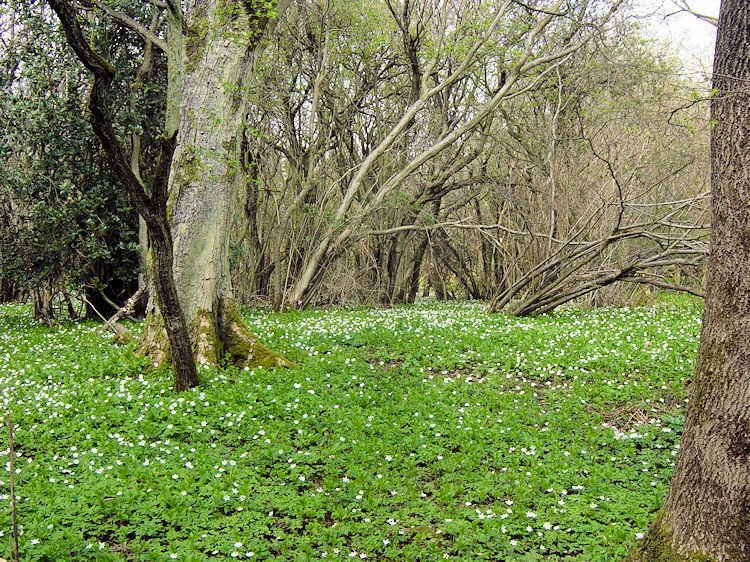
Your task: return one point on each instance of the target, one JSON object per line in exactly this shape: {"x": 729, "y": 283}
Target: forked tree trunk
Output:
{"x": 203, "y": 184}
{"x": 707, "y": 512}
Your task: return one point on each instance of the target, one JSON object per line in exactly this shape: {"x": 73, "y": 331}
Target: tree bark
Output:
{"x": 707, "y": 511}
{"x": 151, "y": 206}
{"x": 220, "y": 47}
{"x": 8, "y": 291}
{"x": 42, "y": 301}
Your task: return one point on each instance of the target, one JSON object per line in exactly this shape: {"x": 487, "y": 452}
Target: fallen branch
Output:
{"x": 118, "y": 330}
{"x": 127, "y": 309}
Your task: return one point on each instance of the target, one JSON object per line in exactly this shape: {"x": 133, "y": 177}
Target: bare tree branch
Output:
{"x": 130, "y": 23}
{"x": 684, "y": 7}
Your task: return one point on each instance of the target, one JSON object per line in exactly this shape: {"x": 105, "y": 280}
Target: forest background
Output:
{"x": 590, "y": 171}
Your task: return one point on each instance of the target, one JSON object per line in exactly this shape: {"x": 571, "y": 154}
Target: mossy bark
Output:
{"x": 707, "y": 510}
{"x": 659, "y": 545}
{"x": 205, "y": 177}
{"x": 240, "y": 346}
{"x": 219, "y": 336}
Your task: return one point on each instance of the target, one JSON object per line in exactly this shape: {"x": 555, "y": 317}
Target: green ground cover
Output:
{"x": 426, "y": 432}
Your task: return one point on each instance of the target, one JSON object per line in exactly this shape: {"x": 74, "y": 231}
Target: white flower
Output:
{"x": 531, "y": 515}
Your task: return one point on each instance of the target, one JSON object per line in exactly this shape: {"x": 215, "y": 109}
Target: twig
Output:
{"x": 14, "y": 547}
{"x": 684, "y": 7}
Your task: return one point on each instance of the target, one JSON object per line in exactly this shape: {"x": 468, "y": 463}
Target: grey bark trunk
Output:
{"x": 707, "y": 511}
{"x": 203, "y": 183}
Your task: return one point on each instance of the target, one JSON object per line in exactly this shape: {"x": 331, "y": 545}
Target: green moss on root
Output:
{"x": 123, "y": 338}
{"x": 658, "y": 545}
{"x": 243, "y": 347}
{"x": 213, "y": 341}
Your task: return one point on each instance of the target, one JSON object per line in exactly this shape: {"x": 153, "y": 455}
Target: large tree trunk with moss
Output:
{"x": 204, "y": 179}
{"x": 151, "y": 203}
{"x": 707, "y": 512}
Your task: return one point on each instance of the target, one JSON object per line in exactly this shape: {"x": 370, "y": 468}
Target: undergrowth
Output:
{"x": 425, "y": 432}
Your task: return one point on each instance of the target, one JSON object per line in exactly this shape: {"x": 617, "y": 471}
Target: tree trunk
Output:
{"x": 416, "y": 268}
{"x": 707, "y": 511}
{"x": 42, "y": 300}
{"x": 203, "y": 184}
{"x": 151, "y": 206}
{"x": 8, "y": 291}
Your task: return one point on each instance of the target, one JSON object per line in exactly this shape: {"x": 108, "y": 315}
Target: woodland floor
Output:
{"x": 425, "y": 432}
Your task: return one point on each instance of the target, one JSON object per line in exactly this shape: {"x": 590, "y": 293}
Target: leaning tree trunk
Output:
{"x": 707, "y": 512}
{"x": 204, "y": 180}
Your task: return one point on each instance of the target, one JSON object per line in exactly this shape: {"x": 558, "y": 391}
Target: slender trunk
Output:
{"x": 409, "y": 285}
{"x": 140, "y": 308}
{"x": 416, "y": 268}
{"x": 707, "y": 511}
{"x": 184, "y": 367}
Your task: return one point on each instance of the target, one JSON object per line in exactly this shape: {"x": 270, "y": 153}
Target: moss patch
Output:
{"x": 658, "y": 545}
{"x": 242, "y": 347}
{"x": 195, "y": 43}
{"x": 207, "y": 346}
{"x": 154, "y": 344}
